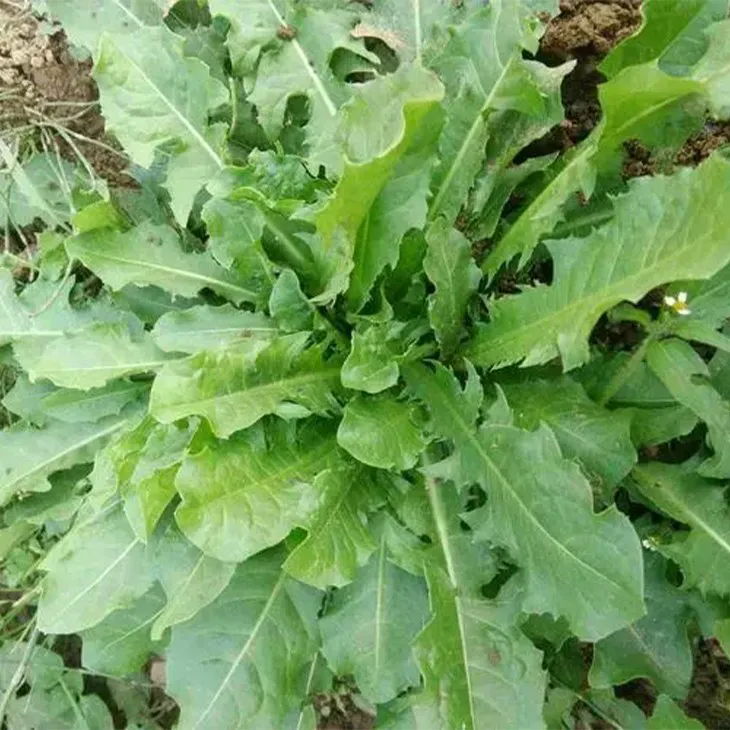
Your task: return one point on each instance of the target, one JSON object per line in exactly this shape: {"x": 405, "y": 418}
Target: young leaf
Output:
{"x": 370, "y": 624}
{"x": 191, "y": 580}
{"x": 669, "y": 716}
{"x": 371, "y": 365}
{"x": 288, "y": 305}
{"x": 382, "y": 431}
{"x": 656, "y": 646}
{"x": 699, "y": 503}
{"x": 685, "y": 375}
{"x": 361, "y": 226}
{"x": 451, "y": 269}
{"x": 338, "y": 540}
{"x": 30, "y": 455}
{"x": 120, "y": 645}
{"x": 598, "y": 438}
{"x": 151, "y": 254}
{"x": 540, "y": 507}
{"x": 210, "y": 328}
{"x": 98, "y": 567}
{"x": 153, "y": 96}
{"x": 240, "y": 497}
{"x": 650, "y": 241}
{"x": 234, "y": 388}
{"x": 235, "y": 229}
{"x": 480, "y": 671}
{"x": 251, "y": 670}
{"x": 144, "y": 461}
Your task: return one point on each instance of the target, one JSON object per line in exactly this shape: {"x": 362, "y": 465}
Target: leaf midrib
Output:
{"x": 260, "y": 621}
{"x": 474, "y": 442}
{"x": 274, "y": 385}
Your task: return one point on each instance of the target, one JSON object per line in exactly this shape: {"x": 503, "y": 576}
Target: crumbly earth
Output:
{"x": 42, "y": 81}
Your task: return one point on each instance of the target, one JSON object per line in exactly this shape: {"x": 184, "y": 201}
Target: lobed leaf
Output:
{"x": 240, "y": 497}
{"x": 283, "y": 377}
{"x": 659, "y": 233}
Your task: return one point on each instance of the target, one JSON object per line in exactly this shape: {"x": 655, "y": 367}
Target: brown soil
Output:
{"x": 709, "y": 696}
{"x": 339, "y": 712}
{"x": 590, "y": 27}
{"x": 41, "y": 83}
{"x": 585, "y": 30}
{"x": 700, "y": 146}
{"x": 639, "y": 160}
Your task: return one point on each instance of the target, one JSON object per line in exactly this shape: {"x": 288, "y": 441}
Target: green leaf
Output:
{"x": 120, "y": 645}
{"x": 370, "y": 624}
{"x": 685, "y": 375}
{"x": 151, "y": 254}
{"x": 251, "y": 671}
{"x": 235, "y": 230}
{"x": 361, "y": 225}
{"x": 656, "y": 646}
{"x": 153, "y": 96}
{"x": 412, "y": 30}
{"x": 90, "y": 358}
{"x": 700, "y": 504}
{"x": 98, "y": 567}
{"x": 29, "y": 455}
{"x": 40, "y": 401}
{"x": 713, "y": 70}
{"x": 42, "y": 187}
{"x": 489, "y": 85}
{"x": 235, "y": 388}
{"x": 144, "y": 461}
{"x": 662, "y": 116}
{"x": 371, "y": 365}
{"x": 451, "y": 269}
{"x": 669, "y": 716}
{"x": 191, "y": 580}
{"x": 650, "y": 241}
{"x": 210, "y": 328}
{"x": 29, "y": 319}
{"x": 115, "y": 17}
{"x": 480, "y": 671}
{"x": 382, "y": 431}
{"x": 597, "y": 437}
{"x": 540, "y": 507}
{"x": 338, "y": 538}
{"x": 672, "y": 34}
{"x": 288, "y": 305}
{"x": 240, "y": 497}
{"x": 299, "y": 66}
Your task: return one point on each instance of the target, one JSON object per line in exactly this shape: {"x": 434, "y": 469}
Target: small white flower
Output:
{"x": 678, "y": 303}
